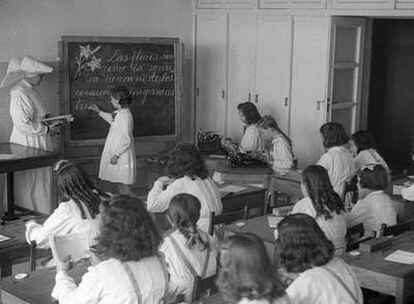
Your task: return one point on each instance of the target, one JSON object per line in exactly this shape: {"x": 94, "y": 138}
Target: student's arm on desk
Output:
{"x": 357, "y": 215}
{"x": 57, "y": 223}
{"x": 67, "y": 292}
{"x": 159, "y": 199}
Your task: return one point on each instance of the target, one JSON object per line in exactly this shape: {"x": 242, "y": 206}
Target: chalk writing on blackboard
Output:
{"x": 148, "y": 69}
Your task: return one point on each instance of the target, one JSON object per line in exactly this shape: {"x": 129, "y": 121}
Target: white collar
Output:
{"x": 375, "y": 192}
{"x": 26, "y": 83}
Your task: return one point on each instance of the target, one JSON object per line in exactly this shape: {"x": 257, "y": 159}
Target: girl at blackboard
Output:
{"x": 118, "y": 156}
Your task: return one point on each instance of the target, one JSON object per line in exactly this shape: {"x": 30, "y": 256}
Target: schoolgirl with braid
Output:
{"x": 189, "y": 251}
{"x": 78, "y": 210}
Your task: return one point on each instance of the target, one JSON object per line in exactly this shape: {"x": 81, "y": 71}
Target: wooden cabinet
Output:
{"x": 292, "y": 4}
{"x": 404, "y": 4}
{"x": 241, "y": 57}
{"x": 363, "y": 4}
{"x": 308, "y": 86}
{"x": 226, "y": 3}
{"x": 211, "y": 67}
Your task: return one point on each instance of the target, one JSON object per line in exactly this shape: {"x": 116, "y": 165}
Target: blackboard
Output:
{"x": 148, "y": 67}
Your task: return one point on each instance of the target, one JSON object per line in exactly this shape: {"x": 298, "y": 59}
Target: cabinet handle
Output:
{"x": 286, "y": 101}
{"x": 318, "y": 104}
{"x": 223, "y": 94}
{"x": 256, "y": 98}
{"x": 250, "y": 97}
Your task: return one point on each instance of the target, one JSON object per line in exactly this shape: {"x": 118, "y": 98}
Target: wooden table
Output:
{"x": 383, "y": 276}
{"x": 37, "y": 287}
{"x": 24, "y": 158}
{"x": 16, "y": 250}
{"x": 404, "y": 208}
{"x": 260, "y": 227}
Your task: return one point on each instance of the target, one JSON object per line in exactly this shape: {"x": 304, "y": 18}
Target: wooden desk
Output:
{"x": 24, "y": 158}
{"x": 258, "y": 226}
{"x": 253, "y": 197}
{"x": 405, "y": 208}
{"x": 16, "y": 250}
{"x": 387, "y": 277}
{"x": 37, "y": 287}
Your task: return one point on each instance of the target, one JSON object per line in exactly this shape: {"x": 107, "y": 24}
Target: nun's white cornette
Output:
{"x": 32, "y": 187}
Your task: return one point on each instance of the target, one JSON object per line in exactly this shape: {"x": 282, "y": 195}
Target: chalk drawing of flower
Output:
{"x": 87, "y": 59}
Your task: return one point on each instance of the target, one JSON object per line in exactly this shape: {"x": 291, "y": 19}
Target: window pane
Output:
{"x": 345, "y": 44}
{"x": 343, "y": 86}
{"x": 344, "y": 117}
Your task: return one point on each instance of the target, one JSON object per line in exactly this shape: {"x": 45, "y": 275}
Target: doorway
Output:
{"x": 390, "y": 116}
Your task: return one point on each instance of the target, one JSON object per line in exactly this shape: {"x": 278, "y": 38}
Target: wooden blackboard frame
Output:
{"x": 66, "y": 141}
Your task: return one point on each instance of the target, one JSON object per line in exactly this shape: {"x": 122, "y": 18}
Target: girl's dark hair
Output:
{"x": 247, "y": 271}
{"x": 249, "y": 111}
{"x": 363, "y": 140}
{"x": 184, "y": 212}
{"x": 74, "y": 183}
{"x": 186, "y": 160}
{"x": 374, "y": 177}
{"x": 128, "y": 232}
{"x": 301, "y": 244}
{"x": 121, "y": 93}
{"x": 333, "y": 134}
{"x": 267, "y": 122}
{"x": 319, "y": 188}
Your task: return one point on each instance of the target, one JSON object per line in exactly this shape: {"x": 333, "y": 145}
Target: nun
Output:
{"x": 32, "y": 189}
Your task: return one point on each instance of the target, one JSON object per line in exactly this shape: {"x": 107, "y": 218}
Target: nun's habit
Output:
{"x": 32, "y": 187}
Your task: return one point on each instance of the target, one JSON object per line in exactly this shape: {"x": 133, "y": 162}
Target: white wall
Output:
{"x": 35, "y": 27}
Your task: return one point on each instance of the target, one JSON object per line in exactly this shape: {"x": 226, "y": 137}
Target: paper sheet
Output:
{"x": 3, "y": 238}
{"x": 232, "y": 188}
{"x": 401, "y": 256}
{"x": 4, "y": 156}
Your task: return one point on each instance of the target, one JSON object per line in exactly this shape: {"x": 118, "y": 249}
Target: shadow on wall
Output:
{"x": 49, "y": 90}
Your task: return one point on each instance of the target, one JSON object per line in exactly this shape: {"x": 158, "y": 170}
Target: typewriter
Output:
{"x": 240, "y": 159}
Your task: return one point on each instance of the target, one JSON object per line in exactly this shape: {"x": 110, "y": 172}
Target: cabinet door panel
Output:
{"x": 226, "y": 3}
{"x": 273, "y": 61}
{"x": 211, "y": 71}
{"x": 309, "y": 77}
{"x": 363, "y": 4}
{"x": 242, "y": 29}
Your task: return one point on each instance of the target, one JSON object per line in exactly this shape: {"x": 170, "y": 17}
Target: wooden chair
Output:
{"x": 396, "y": 229}
{"x": 204, "y": 287}
{"x": 227, "y": 218}
{"x": 33, "y": 256}
{"x": 355, "y": 236}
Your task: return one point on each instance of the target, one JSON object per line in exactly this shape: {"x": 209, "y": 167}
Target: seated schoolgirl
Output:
{"x": 362, "y": 147}
{"x": 189, "y": 251}
{"x": 247, "y": 275}
{"x": 251, "y": 139}
{"x": 323, "y": 204}
{"x": 78, "y": 210}
{"x": 374, "y": 207}
{"x": 277, "y": 144}
{"x": 187, "y": 173}
{"x": 130, "y": 271}
{"x": 302, "y": 248}
{"x": 337, "y": 159}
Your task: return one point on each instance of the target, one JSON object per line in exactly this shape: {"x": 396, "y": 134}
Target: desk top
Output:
{"x": 259, "y": 226}
{"x": 376, "y": 262}
{"x": 23, "y": 157}
{"x": 37, "y": 287}
{"x": 17, "y": 246}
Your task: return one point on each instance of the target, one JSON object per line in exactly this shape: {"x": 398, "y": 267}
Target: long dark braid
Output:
{"x": 184, "y": 212}
{"x": 74, "y": 183}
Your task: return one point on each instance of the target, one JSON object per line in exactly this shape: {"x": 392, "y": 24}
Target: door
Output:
{"x": 347, "y": 52}
{"x": 273, "y": 66}
{"x": 309, "y": 79}
{"x": 210, "y": 52}
{"x": 242, "y": 39}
